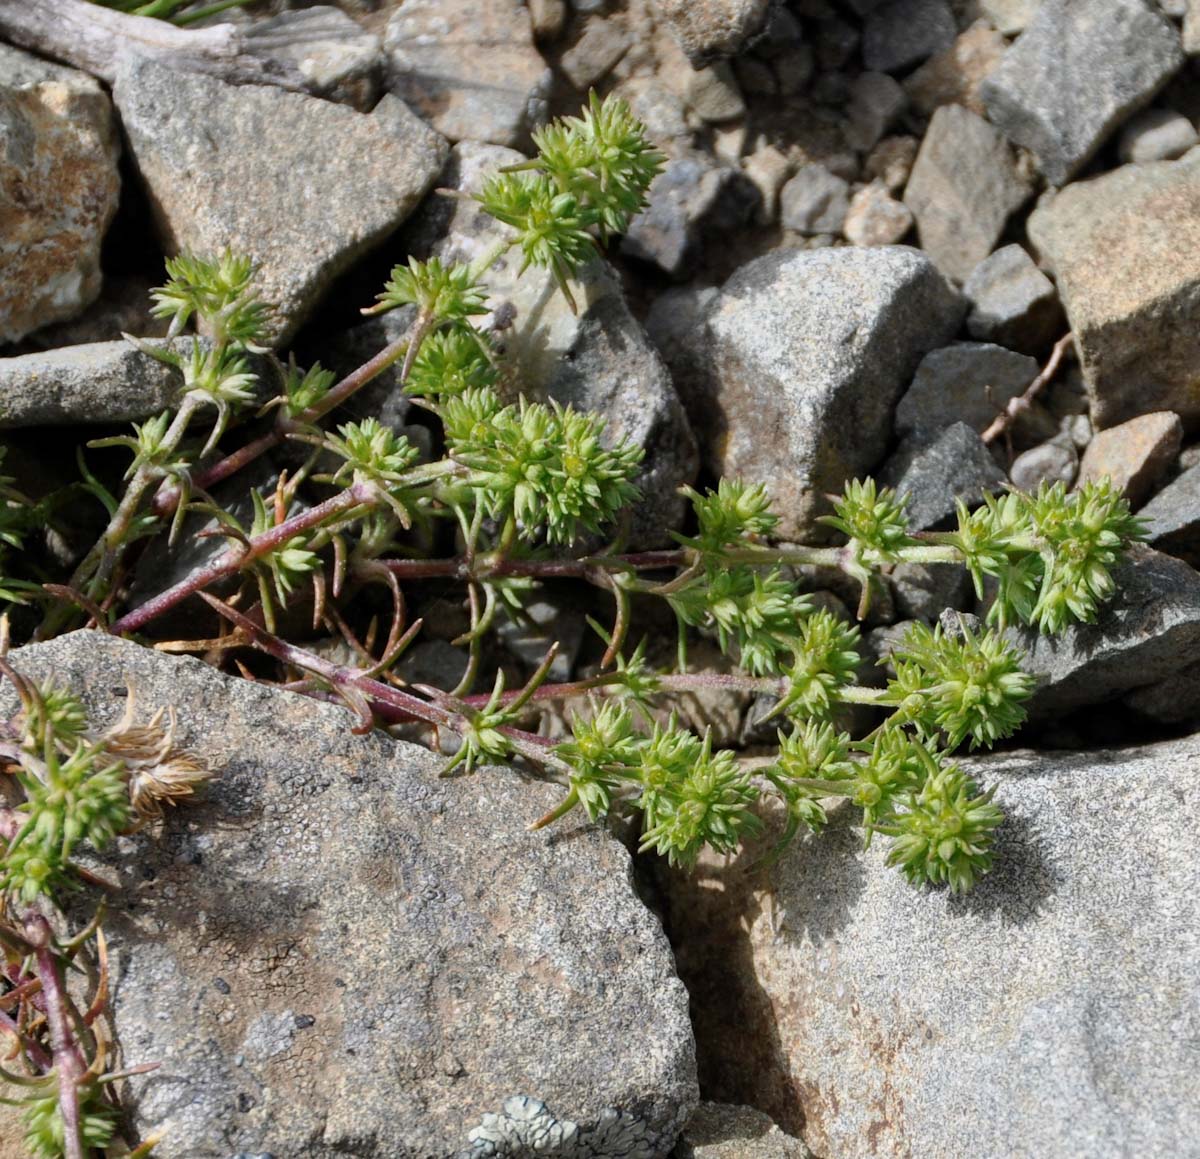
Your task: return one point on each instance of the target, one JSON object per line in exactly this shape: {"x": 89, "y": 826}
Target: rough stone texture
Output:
{"x": 720, "y": 1131}
{"x": 689, "y": 198}
{"x": 814, "y": 201}
{"x": 902, "y": 33}
{"x": 768, "y": 168}
{"x": 340, "y": 953}
{"x": 58, "y": 190}
{"x": 953, "y": 77}
{"x": 672, "y": 318}
{"x": 1012, "y": 302}
{"x": 963, "y": 187}
{"x": 339, "y": 59}
{"x": 1173, "y": 517}
{"x": 1156, "y": 135}
{"x": 599, "y": 359}
{"x": 875, "y": 217}
{"x": 223, "y": 168}
{"x": 1135, "y": 455}
{"x": 1149, "y": 631}
{"x": 799, "y": 362}
{"x": 1191, "y": 29}
{"x": 924, "y": 590}
{"x": 1051, "y": 1012}
{"x": 713, "y": 93}
{"x": 891, "y": 161}
{"x": 1133, "y": 314}
{"x": 594, "y": 54}
{"x": 876, "y": 100}
{"x": 1077, "y": 71}
{"x": 98, "y": 382}
{"x": 710, "y": 29}
{"x": 969, "y": 382}
{"x": 1173, "y": 702}
{"x": 1009, "y": 16}
{"x": 1055, "y": 461}
{"x": 934, "y": 471}
{"x": 469, "y": 67}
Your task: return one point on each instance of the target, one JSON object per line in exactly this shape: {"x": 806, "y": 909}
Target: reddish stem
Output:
{"x": 587, "y": 568}
{"x": 239, "y": 555}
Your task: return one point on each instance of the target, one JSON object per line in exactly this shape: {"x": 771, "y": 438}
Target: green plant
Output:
{"x": 171, "y": 9}
{"x": 361, "y": 512}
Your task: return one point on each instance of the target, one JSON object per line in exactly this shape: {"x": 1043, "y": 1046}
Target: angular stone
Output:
{"x": 720, "y": 1131}
{"x": 598, "y": 359}
{"x": 710, "y": 29}
{"x": 340, "y": 953}
{"x": 963, "y": 187}
{"x": 223, "y": 169}
{"x": 1146, "y": 633}
{"x": 1012, "y": 302}
{"x": 969, "y": 382}
{"x": 98, "y": 382}
{"x": 714, "y": 95}
{"x": 1055, "y": 461}
{"x": 876, "y": 100}
{"x": 1077, "y": 71}
{"x": 1173, "y": 517}
{"x": 1156, "y": 135}
{"x": 814, "y": 201}
{"x": 1135, "y": 455}
{"x": 1173, "y": 702}
{"x": 768, "y": 168}
{"x": 798, "y": 363}
{"x": 339, "y": 59}
{"x": 936, "y": 471}
{"x": 690, "y": 197}
{"x": 1133, "y": 314}
{"x": 953, "y": 77}
{"x": 1009, "y": 16}
{"x": 1191, "y": 29}
{"x": 902, "y": 33}
{"x": 58, "y": 191}
{"x": 594, "y": 54}
{"x": 891, "y": 161}
{"x": 875, "y": 217}
{"x": 469, "y": 67}
{"x": 1047, "y": 1013}
{"x": 924, "y": 590}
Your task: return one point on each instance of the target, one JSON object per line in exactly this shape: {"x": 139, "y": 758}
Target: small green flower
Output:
{"x": 601, "y": 754}
{"x": 372, "y": 452}
{"x": 944, "y": 831}
{"x": 824, "y": 660}
{"x": 966, "y": 685}
{"x": 56, "y": 716}
{"x": 219, "y": 291}
{"x": 45, "y": 1131}
{"x": 736, "y": 511}
{"x": 451, "y": 362}
{"x": 304, "y": 389}
{"x": 872, "y": 519}
{"x": 814, "y": 751}
{"x": 285, "y": 565}
{"x": 445, "y": 293}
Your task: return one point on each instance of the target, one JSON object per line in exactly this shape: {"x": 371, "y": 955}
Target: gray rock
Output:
{"x": 954, "y": 76}
{"x": 99, "y": 382}
{"x": 755, "y": 76}
{"x": 835, "y": 41}
{"x": 710, "y": 29}
{"x": 1012, "y": 302}
{"x": 875, "y": 217}
{"x": 1135, "y": 455}
{"x": 598, "y": 359}
{"x": 548, "y": 18}
{"x": 1173, "y": 702}
{"x": 799, "y": 362}
{"x": 672, "y": 319}
{"x": 594, "y": 54}
{"x": 768, "y": 168}
{"x": 1191, "y": 29}
{"x": 795, "y": 69}
{"x": 924, "y": 590}
{"x": 814, "y": 201}
{"x": 1077, "y": 71}
{"x": 969, "y": 382}
{"x": 713, "y": 93}
{"x": 721, "y": 1131}
{"x": 339, "y": 59}
{"x": 472, "y": 72}
{"x": 58, "y": 190}
{"x": 1055, "y": 461}
{"x": 935, "y": 471}
{"x": 339, "y": 952}
{"x": 876, "y": 100}
{"x": 690, "y": 197}
{"x": 902, "y": 33}
{"x": 1149, "y": 631}
{"x": 222, "y": 168}
{"x": 1048, "y": 1013}
{"x": 1156, "y": 135}
{"x": 963, "y": 187}
{"x": 1009, "y": 16}
{"x": 1132, "y": 314}
{"x": 1173, "y": 517}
